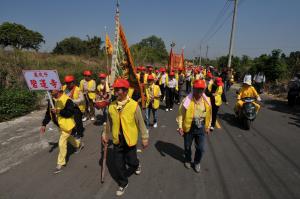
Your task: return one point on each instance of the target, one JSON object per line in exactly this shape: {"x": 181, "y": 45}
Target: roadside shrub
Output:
{"x": 16, "y": 102}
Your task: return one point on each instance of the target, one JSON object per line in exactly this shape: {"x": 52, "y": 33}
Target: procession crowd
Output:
{"x": 203, "y": 90}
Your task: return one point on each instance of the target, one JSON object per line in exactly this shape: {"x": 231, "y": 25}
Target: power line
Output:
{"x": 222, "y": 24}
{"x": 216, "y": 21}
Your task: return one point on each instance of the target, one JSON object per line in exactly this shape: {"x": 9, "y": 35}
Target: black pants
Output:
{"x": 89, "y": 109}
{"x": 170, "y": 97}
{"x": 79, "y": 125}
{"x": 215, "y": 110}
{"x": 187, "y": 86}
{"x": 124, "y": 155}
{"x": 198, "y": 135}
{"x": 177, "y": 95}
{"x": 163, "y": 92}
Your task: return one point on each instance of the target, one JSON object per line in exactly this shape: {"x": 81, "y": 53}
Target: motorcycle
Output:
{"x": 294, "y": 91}
{"x": 247, "y": 113}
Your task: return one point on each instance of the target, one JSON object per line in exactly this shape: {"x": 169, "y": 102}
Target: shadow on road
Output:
{"x": 162, "y": 107}
{"x": 281, "y": 106}
{"x": 230, "y": 119}
{"x": 109, "y": 161}
{"x": 53, "y": 145}
{"x": 170, "y": 149}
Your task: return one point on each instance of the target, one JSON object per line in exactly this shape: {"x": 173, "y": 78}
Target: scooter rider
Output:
{"x": 247, "y": 90}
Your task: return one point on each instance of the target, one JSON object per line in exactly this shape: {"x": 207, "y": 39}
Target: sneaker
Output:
{"x": 138, "y": 171}
{"x": 187, "y": 165}
{"x": 121, "y": 190}
{"x": 80, "y": 147}
{"x": 211, "y": 128}
{"x": 155, "y": 125}
{"x": 197, "y": 168}
{"x": 167, "y": 109}
{"x": 58, "y": 169}
{"x": 84, "y": 119}
{"x": 171, "y": 109}
{"x": 92, "y": 118}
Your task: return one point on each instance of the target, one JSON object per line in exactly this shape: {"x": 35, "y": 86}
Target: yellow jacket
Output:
{"x": 77, "y": 97}
{"x": 155, "y": 95}
{"x": 218, "y": 96}
{"x": 247, "y": 91}
{"x": 130, "y": 119}
{"x": 65, "y": 124}
{"x": 88, "y": 87}
{"x": 160, "y": 79}
{"x": 186, "y": 115}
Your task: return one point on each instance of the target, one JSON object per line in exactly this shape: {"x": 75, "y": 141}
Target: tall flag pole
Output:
{"x": 114, "y": 61}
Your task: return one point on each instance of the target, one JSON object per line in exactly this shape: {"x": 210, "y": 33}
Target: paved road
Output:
{"x": 261, "y": 163}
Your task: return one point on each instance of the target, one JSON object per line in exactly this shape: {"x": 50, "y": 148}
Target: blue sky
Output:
{"x": 262, "y": 25}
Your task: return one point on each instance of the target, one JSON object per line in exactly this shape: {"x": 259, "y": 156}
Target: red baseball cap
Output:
{"x": 87, "y": 73}
{"x": 121, "y": 83}
{"x": 150, "y": 77}
{"x": 219, "y": 81}
{"x": 102, "y": 75}
{"x": 199, "y": 83}
{"x": 162, "y": 70}
{"x": 69, "y": 78}
{"x": 172, "y": 74}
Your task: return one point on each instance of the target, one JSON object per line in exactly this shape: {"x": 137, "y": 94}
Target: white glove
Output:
{"x": 259, "y": 99}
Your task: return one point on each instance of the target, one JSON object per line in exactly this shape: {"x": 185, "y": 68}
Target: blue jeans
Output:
{"x": 148, "y": 114}
{"x": 198, "y": 135}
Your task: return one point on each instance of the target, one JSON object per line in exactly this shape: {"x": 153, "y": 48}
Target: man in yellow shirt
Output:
{"x": 64, "y": 111}
{"x": 125, "y": 121}
{"x": 247, "y": 90}
{"x": 194, "y": 118}
{"x": 88, "y": 87}
{"x": 102, "y": 97}
{"x": 152, "y": 101}
{"x": 149, "y": 72}
{"x": 76, "y": 95}
{"x": 216, "y": 100}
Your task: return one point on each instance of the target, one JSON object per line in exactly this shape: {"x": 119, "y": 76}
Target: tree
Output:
{"x": 93, "y": 46}
{"x": 77, "y": 46}
{"x": 19, "y": 37}
{"x": 293, "y": 61}
{"x": 71, "y": 45}
{"x": 274, "y": 66}
{"x": 150, "y": 50}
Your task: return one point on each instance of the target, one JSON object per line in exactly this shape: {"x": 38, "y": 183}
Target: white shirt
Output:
{"x": 163, "y": 78}
{"x": 172, "y": 83}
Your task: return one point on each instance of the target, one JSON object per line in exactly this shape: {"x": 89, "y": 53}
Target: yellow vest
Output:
{"x": 65, "y": 124}
{"x": 218, "y": 97}
{"x": 156, "y": 92}
{"x": 189, "y": 115}
{"x": 100, "y": 87}
{"x": 209, "y": 86}
{"x": 160, "y": 79}
{"x": 126, "y": 119}
{"x": 146, "y": 77}
{"x": 177, "y": 79}
{"x": 76, "y": 96}
{"x": 90, "y": 84}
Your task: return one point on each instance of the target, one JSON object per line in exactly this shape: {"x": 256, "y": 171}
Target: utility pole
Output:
{"x": 200, "y": 55}
{"x": 232, "y": 34}
{"x": 206, "y": 52}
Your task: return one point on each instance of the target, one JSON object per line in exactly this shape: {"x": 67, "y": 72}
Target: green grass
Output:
{"x": 15, "y": 98}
